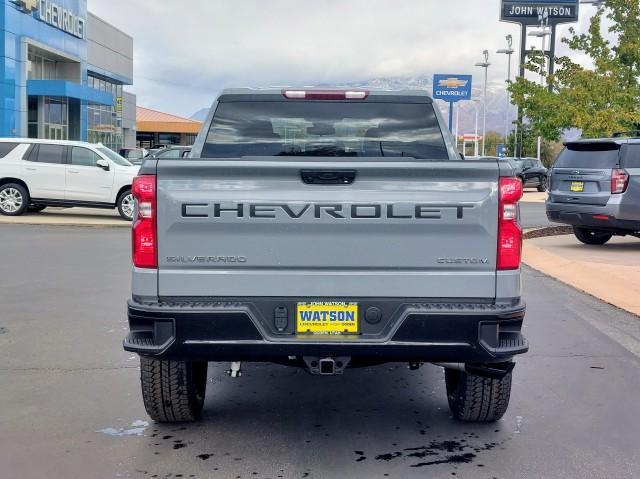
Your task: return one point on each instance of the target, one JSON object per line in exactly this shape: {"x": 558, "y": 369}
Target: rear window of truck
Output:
{"x": 589, "y": 155}
{"x": 325, "y": 129}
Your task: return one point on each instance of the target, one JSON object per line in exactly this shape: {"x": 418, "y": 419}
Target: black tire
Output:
{"x": 14, "y": 199}
{"x": 475, "y": 398}
{"x": 36, "y": 208}
{"x": 542, "y": 187}
{"x": 173, "y": 391}
{"x": 592, "y": 237}
{"x": 125, "y": 205}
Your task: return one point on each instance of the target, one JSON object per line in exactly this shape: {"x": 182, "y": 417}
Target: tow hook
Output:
{"x": 236, "y": 369}
{"x": 326, "y": 366}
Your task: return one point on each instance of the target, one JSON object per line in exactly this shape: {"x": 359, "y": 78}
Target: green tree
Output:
{"x": 492, "y": 141}
{"x": 599, "y": 100}
{"x": 549, "y": 149}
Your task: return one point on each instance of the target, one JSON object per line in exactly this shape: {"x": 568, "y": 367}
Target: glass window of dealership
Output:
{"x": 63, "y": 73}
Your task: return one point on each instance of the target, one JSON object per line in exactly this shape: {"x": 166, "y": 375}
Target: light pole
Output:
{"x": 507, "y": 51}
{"x": 475, "y": 141}
{"x": 542, "y": 33}
{"x": 486, "y": 66}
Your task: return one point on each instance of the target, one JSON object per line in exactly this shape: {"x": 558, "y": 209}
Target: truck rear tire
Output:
{"x": 591, "y": 237}
{"x": 475, "y": 398}
{"x": 173, "y": 391}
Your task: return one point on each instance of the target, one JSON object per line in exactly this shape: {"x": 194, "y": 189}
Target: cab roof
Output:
{"x": 280, "y": 94}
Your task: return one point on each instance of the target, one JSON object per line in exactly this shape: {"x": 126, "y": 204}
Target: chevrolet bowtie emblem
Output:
{"x": 27, "y": 5}
{"x": 452, "y": 83}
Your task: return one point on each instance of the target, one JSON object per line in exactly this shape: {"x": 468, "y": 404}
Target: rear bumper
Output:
{"x": 409, "y": 331}
{"x": 585, "y": 216}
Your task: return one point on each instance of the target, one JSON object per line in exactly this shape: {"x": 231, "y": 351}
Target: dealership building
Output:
{"x": 62, "y": 73}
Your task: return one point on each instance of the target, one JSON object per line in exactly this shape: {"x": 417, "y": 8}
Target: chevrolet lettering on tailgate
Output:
{"x": 318, "y": 211}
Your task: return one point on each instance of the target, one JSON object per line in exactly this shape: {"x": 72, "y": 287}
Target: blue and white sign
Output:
{"x": 55, "y": 14}
{"x": 452, "y": 88}
{"x": 501, "y": 150}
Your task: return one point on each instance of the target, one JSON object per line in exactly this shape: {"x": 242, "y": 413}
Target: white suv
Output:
{"x": 35, "y": 174}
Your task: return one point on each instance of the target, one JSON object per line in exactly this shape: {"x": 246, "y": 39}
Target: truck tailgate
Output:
{"x": 252, "y": 227}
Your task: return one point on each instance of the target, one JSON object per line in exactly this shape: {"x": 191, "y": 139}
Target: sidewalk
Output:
{"x": 610, "y": 272}
{"x": 534, "y": 196}
{"x": 69, "y": 217}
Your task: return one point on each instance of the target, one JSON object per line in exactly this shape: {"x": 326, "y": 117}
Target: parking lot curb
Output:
{"x": 69, "y": 224}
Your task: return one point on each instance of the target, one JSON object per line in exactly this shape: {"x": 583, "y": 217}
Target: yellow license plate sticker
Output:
{"x": 577, "y": 186}
{"x": 327, "y": 318}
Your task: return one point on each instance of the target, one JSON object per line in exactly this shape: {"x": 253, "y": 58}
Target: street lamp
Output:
{"x": 507, "y": 51}
{"x": 485, "y": 64}
{"x": 475, "y": 140}
{"x": 543, "y": 33}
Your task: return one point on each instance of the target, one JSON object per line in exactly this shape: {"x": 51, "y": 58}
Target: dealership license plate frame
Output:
{"x": 327, "y": 327}
{"x": 577, "y": 186}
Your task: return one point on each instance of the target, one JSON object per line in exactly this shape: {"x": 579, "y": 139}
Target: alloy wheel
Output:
{"x": 128, "y": 205}
{"x": 10, "y": 200}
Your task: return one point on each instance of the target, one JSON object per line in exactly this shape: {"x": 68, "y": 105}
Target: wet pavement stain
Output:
{"x": 455, "y": 459}
{"x": 3, "y": 330}
{"x": 443, "y": 452}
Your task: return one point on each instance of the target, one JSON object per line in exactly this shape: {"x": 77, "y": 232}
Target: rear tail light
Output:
{"x": 509, "y": 231}
{"x": 619, "y": 181}
{"x": 325, "y": 94}
{"x": 144, "y": 233}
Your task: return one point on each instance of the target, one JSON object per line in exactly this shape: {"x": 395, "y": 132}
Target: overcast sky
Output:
{"x": 186, "y": 52}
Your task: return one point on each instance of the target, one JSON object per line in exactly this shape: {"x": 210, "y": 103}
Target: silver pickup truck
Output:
{"x": 326, "y": 229}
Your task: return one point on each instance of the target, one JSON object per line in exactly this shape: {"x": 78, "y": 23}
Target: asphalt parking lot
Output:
{"x": 71, "y": 405}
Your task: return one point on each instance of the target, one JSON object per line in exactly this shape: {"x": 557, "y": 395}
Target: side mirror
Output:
{"x": 102, "y": 163}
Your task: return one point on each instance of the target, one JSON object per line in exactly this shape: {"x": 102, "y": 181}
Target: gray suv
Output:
{"x": 595, "y": 187}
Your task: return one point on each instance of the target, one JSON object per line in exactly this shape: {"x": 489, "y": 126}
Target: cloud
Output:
{"x": 185, "y": 52}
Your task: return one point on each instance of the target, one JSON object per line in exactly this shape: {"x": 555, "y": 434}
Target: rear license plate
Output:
{"x": 577, "y": 186}
{"x": 327, "y": 318}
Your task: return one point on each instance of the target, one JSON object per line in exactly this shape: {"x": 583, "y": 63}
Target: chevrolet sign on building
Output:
{"x": 55, "y": 15}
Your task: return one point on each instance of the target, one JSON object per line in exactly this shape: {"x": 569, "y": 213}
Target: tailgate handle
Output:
{"x": 328, "y": 177}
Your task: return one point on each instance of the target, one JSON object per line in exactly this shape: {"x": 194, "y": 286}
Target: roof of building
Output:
{"x": 153, "y": 121}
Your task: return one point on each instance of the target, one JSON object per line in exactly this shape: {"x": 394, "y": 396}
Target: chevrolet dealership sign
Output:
{"x": 534, "y": 12}
{"x": 55, "y": 15}
{"x": 452, "y": 88}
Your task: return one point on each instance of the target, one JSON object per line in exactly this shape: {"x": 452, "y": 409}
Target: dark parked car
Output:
{"x": 532, "y": 172}
{"x": 172, "y": 152}
{"x": 134, "y": 155}
{"x": 595, "y": 187}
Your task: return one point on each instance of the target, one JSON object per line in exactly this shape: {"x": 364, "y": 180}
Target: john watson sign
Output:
{"x": 533, "y": 12}
{"x": 55, "y": 15}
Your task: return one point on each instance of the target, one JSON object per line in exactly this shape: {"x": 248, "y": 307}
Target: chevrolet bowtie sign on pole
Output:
{"x": 451, "y": 88}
